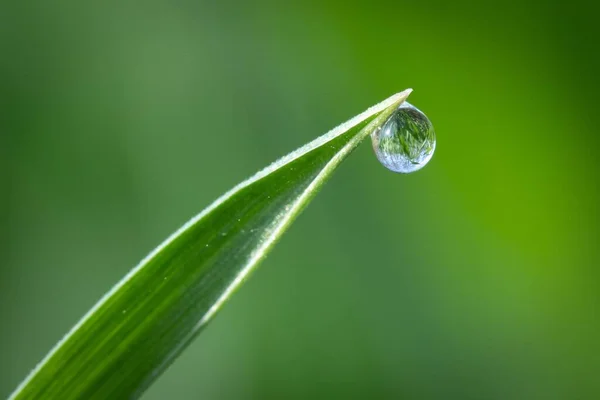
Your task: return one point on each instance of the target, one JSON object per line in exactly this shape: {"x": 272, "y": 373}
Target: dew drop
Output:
{"x": 406, "y": 141}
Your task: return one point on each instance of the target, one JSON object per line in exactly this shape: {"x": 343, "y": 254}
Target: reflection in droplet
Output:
{"x": 406, "y": 141}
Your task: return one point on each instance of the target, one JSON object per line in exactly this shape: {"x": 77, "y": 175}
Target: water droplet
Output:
{"x": 406, "y": 141}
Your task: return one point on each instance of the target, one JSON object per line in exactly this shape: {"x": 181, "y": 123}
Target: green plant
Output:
{"x": 138, "y": 328}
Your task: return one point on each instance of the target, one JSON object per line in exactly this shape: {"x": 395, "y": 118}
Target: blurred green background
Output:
{"x": 475, "y": 278}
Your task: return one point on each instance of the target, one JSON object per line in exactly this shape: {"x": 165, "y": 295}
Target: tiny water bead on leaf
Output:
{"x": 406, "y": 141}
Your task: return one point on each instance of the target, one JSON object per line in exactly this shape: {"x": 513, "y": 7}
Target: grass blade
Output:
{"x": 138, "y": 328}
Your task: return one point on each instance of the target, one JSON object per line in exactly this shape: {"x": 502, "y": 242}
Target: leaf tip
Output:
{"x": 405, "y": 93}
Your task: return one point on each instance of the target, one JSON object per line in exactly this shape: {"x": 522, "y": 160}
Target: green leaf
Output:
{"x": 140, "y": 326}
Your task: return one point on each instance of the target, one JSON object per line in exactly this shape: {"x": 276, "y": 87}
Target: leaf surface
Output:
{"x": 138, "y": 328}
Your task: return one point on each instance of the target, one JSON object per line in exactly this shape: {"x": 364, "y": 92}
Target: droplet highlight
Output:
{"x": 406, "y": 141}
